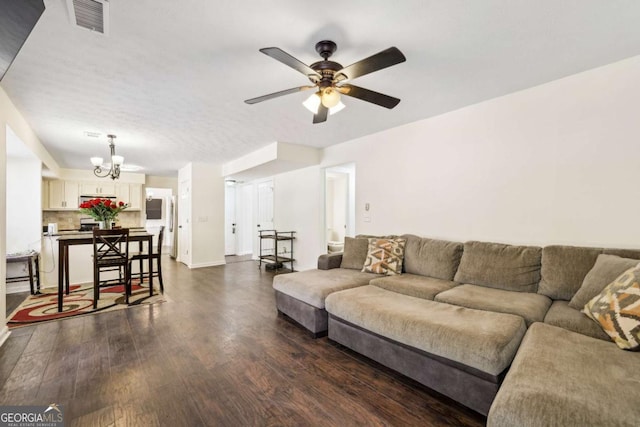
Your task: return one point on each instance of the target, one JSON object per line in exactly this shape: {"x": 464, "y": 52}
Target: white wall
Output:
{"x": 298, "y": 206}
{"x": 207, "y": 215}
{"x": 23, "y": 202}
{"x": 555, "y": 163}
{"x": 10, "y": 116}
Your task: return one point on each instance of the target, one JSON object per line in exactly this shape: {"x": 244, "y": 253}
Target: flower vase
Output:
{"x": 105, "y": 225}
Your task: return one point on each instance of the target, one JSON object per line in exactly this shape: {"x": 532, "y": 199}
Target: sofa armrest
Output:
{"x": 329, "y": 261}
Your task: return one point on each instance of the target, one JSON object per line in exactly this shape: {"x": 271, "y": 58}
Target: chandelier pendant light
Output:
{"x": 116, "y": 162}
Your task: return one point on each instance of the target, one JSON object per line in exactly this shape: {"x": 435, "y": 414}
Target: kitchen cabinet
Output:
{"x": 135, "y": 196}
{"x": 63, "y": 195}
{"x": 98, "y": 189}
{"x": 131, "y": 194}
{"x": 123, "y": 193}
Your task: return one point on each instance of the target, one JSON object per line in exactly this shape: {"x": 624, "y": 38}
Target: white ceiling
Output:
{"x": 170, "y": 78}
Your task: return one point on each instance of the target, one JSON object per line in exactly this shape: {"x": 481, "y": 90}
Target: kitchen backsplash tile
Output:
{"x": 69, "y": 220}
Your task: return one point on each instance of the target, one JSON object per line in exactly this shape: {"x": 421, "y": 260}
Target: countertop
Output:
{"x": 83, "y": 233}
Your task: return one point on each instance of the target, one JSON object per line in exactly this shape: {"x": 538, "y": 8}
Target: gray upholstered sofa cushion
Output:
{"x": 508, "y": 267}
{"x": 413, "y": 285}
{"x": 563, "y": 316}
{"x": 441, "y": 329}
{"x": 355, "y": 252}
{"x": 565, "y": 267}
{"x": 431, "y": 257}
{"x": 606, "y": 269}
{"x": 313, "y": 286}
{"x": 530, "y": 306}
{"x": 560, "y": 378}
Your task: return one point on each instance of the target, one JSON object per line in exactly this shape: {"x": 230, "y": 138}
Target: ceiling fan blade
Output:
{"x": 277, "y": 94}
{"x": 369, "y": 96}
{"x": 321, "y": 115}
{"x": 380, "y": 60}
{"x": 282, "y": 56}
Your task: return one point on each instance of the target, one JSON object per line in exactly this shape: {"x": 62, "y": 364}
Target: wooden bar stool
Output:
{"x": 155, "y": 255}
{"x": 110, "y": 253}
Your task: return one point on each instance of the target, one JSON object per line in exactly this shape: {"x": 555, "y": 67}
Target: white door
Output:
{"x": 265, "y": 212}
{"x": 245, "y": 227}
{"x": 184, "y": 222}
{"x": 230, "y": 221}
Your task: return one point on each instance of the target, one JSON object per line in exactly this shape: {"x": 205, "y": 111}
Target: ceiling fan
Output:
{"x": 328, "y": 77}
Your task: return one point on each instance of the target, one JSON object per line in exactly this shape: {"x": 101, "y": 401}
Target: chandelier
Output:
{"x": 114, "y": 168}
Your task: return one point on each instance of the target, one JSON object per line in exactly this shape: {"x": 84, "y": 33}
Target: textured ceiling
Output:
{"x": 170, "y": 78}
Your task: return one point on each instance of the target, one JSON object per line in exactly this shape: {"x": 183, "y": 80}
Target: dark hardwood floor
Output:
{"x": 216, "y": 354}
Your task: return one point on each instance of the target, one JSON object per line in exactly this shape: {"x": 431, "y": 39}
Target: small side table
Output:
{"x": 31, "y": 259}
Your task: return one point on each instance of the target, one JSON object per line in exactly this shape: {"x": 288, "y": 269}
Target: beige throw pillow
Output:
{"x": 385, "y": 256}
{"x": 617, "y": 309}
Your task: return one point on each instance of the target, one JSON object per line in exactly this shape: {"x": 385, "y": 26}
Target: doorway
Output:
{"x": 159, "y": 208}
{"x": 339, "y": 205}
{"x": 239, "y": 220}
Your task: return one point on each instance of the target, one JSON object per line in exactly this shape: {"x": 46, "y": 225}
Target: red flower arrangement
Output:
{"x": 102, "y": 209}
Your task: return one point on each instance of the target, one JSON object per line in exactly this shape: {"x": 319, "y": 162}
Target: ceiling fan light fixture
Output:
{"x": 339, "y": 107}
{"x": 312, "y": 103}
{"x": 330, "y": 97}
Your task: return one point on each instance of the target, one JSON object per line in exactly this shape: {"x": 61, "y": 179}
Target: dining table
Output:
{"x": 86, "y": 238}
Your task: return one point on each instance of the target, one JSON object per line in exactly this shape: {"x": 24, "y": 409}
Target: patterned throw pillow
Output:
{"x": 617, "y": 309}
{"x": 385, "y": 256}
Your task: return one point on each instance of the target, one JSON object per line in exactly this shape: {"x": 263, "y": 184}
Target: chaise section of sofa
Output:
{"x": 456, "y": 351}
{"x": 301, "y": 295}
{"x": 562, "y": 378}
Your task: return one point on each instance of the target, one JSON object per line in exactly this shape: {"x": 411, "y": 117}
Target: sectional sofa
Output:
{"x": 496, "y": 327}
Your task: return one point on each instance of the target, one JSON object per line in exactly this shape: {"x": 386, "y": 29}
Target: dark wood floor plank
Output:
{"x": 10, "y": 353}
{"x": 216, "y": 354}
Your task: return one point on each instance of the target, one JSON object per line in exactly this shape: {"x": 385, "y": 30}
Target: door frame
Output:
{"x": 184, "y": 223}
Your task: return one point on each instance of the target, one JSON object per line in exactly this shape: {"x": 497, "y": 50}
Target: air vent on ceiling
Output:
{"x": 90, "y": 14}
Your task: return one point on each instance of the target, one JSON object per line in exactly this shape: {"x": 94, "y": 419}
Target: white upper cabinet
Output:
{"x": 131, "y": 194}
{"x": 122, "y": 192}
{"x": 135, "y": 196}
{"x": 98, "y": 189}
{"x": 63, "y": 195}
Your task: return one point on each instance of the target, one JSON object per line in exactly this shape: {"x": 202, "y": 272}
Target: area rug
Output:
{"x": 79, "y": 302}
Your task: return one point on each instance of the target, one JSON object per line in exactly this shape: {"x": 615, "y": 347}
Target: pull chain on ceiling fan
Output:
{"x": 328, "y": 78}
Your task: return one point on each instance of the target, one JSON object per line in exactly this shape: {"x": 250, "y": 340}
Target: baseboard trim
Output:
{"x": 207, "y": 264}
{"x": 16, "y": 287}
{"x": 4, "y": 334}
